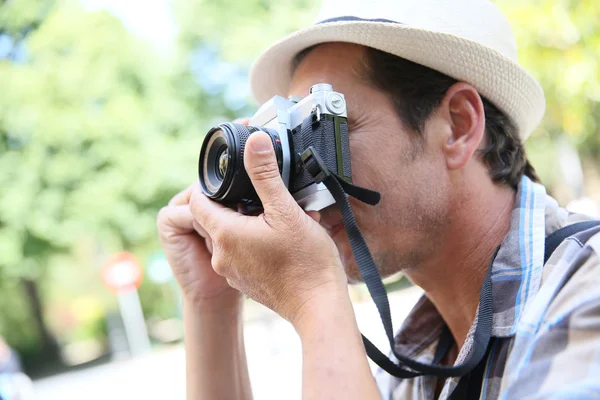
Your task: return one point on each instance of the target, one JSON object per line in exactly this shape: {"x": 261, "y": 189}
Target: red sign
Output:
{"x": 122, "y": 272}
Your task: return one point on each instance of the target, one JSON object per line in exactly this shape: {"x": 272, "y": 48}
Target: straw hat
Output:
{"x": 469, "y": 40}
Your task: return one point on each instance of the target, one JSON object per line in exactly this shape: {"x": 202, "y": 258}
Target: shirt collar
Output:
{"x": 517, "y": 270}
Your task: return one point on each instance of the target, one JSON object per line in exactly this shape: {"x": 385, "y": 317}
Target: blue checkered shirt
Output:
{"x": 546, "y": 317}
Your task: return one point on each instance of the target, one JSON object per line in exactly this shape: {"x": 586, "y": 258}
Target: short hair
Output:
{"x": 416, "y": 91}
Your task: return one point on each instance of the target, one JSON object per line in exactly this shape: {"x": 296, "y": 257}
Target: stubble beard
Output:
{"x": 393, "y": 257}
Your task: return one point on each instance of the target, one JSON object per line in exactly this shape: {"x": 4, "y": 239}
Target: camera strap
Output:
{"x": 409, "y": 367}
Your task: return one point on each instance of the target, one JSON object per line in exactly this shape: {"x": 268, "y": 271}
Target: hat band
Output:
{"x": 351, "y": 18}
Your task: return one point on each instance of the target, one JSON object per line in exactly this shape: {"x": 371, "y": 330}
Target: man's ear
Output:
{"x": 463, "y": 109}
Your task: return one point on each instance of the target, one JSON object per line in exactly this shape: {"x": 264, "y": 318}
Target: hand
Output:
{"x": 188, "y": 249}
{"x": 282, "y": 258}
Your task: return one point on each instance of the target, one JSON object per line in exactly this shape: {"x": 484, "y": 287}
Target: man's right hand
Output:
{"x": 188, "y": 250}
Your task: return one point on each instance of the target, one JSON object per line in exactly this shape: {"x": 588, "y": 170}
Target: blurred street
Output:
{"x": 274, "y": 358}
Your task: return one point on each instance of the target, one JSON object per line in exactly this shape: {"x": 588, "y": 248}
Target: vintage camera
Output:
{"x": 295, "y": 124}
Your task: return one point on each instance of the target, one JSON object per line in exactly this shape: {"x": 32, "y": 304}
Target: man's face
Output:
{"x": 409, "y": 172}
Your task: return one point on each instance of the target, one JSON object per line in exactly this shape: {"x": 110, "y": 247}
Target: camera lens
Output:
{"x": 221, "y": 165}
{"x": 223, "y": 162}
{"x": 214, "y": 167}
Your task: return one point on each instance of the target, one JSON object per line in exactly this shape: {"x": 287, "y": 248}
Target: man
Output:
{"x": 441, "y": 137}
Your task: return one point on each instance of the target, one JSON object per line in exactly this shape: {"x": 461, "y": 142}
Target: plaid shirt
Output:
{"x": 546, "y": 318}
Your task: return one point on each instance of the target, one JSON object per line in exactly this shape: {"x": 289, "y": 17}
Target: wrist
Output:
{"x": 322, "y": 309}
{"x": 227, "y": 302}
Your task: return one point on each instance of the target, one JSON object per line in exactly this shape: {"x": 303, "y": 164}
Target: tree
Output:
{"x": 559, "y": 42}
{"x": 95, "y": 137}
{"x": 16, "y": 25}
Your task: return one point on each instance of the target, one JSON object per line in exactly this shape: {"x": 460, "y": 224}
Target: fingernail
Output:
{"x": 261, "y": 143}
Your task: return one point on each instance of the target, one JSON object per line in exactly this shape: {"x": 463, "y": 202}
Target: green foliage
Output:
{"x": 159, "y": 301}
{"x": 93, "y": 138}
{"x": 16, "y": 326}
{"x": 17, "y": 19}
{"x": 240, "y": 29}
{"x": 96, "y": 134}
{"x": 559, "y": 43}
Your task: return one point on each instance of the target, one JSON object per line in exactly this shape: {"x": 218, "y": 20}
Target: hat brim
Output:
{"x": 501, "y": 80}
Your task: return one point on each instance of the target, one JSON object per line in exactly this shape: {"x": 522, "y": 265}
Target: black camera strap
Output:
{"x": 409, "y": 367}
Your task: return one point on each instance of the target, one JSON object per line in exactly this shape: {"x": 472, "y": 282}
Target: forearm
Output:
{"x": 216, "y": 365}
{"x": 334, "y": 361}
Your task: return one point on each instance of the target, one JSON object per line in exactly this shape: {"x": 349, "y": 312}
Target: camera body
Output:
{"x": 318, "y": 120}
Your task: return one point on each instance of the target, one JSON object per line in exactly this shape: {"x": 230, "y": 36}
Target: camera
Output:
{"x": 318, "y": 121}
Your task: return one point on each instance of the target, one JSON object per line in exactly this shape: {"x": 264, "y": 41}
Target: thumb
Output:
{"x": 261, "y": 165}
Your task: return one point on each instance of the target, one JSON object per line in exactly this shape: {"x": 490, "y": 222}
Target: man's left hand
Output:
{"x": 282, "y": 258}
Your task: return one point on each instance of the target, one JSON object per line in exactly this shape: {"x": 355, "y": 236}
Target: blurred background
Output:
{"x": 103, "y": 106}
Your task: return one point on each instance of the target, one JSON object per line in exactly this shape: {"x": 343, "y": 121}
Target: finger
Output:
{"x": 210, "y": 214}
{"x": 201, "y": 231}
{"x": 261, "y": 164}
{"x": 175, "y": 220}
{"x": 209, "y": 246}
{"x": 207, "y": 240}
{"x": 183, "y": 197}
